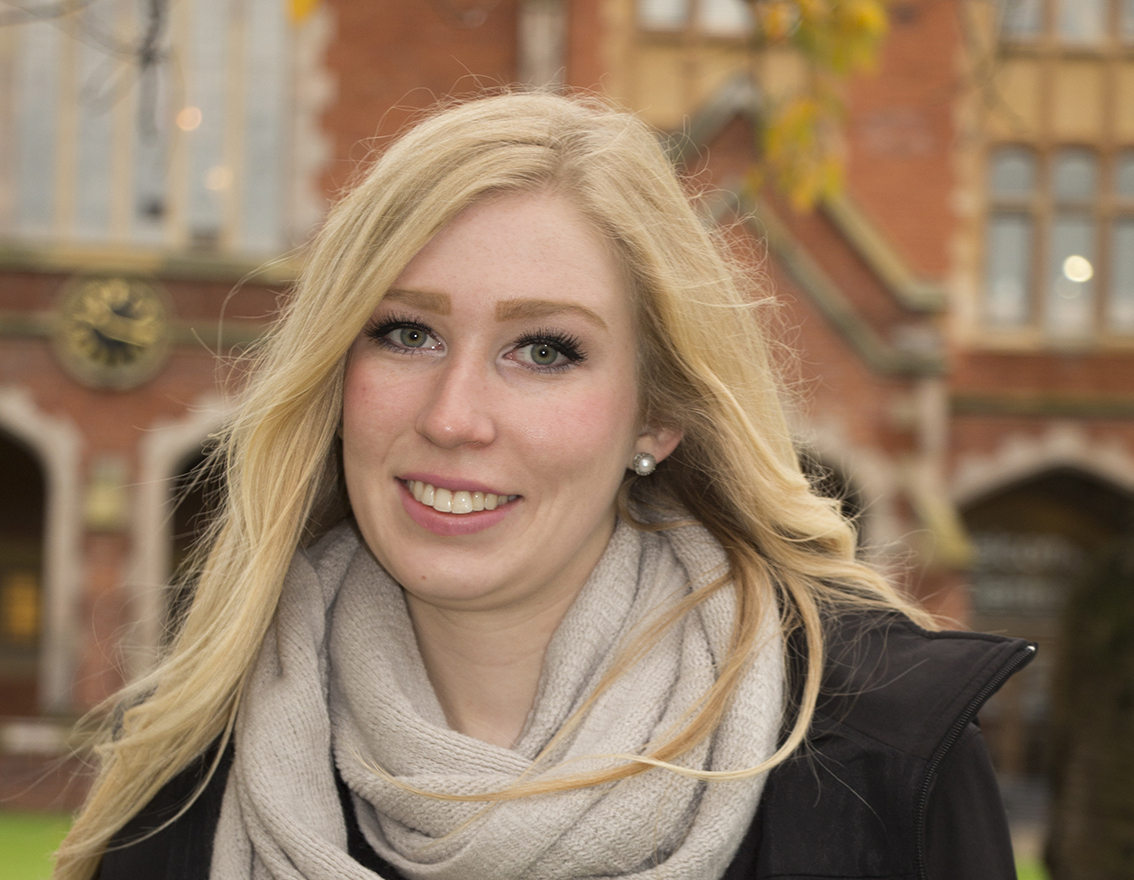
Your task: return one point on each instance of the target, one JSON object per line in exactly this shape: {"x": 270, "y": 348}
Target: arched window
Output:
{"x": 197, "y": 494}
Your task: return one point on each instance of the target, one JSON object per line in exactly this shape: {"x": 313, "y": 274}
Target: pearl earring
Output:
{"x": 644, "y": 464}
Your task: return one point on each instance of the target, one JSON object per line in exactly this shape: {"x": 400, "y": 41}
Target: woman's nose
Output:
{"x": 457, "y": 409}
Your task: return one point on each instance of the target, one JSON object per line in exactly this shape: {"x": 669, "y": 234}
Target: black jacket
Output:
{"x": 894, "y": 784}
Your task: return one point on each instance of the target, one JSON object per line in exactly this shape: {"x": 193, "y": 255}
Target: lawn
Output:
{"x": 28, "y": 839}
{"x": 1028, "y": 870}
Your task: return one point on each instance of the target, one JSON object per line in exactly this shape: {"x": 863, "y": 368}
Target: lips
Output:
{"x": 458, "y": 501}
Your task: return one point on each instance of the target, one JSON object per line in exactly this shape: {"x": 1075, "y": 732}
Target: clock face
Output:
{"x": 112, "y": 332}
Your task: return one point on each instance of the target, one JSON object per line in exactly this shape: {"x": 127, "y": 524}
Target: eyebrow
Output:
{"x": 426, "y": 300}
{"x": 526, "y": 309}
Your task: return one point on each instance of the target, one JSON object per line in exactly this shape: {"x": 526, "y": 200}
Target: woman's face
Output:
{"x": 498, "y": 373}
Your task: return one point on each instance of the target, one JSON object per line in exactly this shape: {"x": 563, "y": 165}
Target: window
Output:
{"x": 716, "y": 17}
{"x": 148, "y": 123}
{"x": 1121, "y": 300}
{"x": 1071, "y": 22}
{"x": 1081, "y": 21}
{"x": 1059, "y": 237}
{"x": 1070, "y": 284}
{"x": 663, "y": 14}
{"x": 1009, "y": 243}
{"x": 1021, "y": 19}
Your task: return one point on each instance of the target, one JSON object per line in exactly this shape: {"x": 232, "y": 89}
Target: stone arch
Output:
{"x": 830, "y": 481}
{"x": 162, "y": 454}
{"x": 196, "y": 492}
{"x": 1024, "y": 454}
{"x": 869, "y": 475}
{"x": 57, "y": 443}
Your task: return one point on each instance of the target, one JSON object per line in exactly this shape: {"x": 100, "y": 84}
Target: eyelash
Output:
{"x": 567, "y": 345}
{"x": 380, "y": 330}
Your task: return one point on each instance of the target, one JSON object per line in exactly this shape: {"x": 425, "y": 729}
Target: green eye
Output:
{"x": 543, "y": 354}
{"x": 412, "y": 337}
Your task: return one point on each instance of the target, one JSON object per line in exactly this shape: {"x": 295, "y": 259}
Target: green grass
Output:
{"x": 1030, "y": 870}
{"x": 27, "y": 841}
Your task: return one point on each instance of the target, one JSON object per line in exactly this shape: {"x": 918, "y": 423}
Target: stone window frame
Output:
{"x": 1106, "y": 211}
{"x": 691, "y": 20}
{"x": 58, "y": 444}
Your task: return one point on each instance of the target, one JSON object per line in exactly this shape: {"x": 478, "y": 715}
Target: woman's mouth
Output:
{"x": 459, "y": 501}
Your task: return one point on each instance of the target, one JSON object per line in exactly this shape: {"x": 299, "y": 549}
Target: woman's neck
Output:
{"x": 485, "y": 666}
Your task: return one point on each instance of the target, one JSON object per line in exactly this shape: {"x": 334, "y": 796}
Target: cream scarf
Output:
{"x": 340, "y": 679}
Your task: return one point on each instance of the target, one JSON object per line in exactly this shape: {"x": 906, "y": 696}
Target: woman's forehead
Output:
{"x": 526, "y": 255}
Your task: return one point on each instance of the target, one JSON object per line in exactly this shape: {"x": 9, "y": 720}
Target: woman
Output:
{"x": 452, "y": 622}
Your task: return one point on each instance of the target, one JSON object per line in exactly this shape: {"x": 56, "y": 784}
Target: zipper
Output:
{"x": 1022, "y": 658}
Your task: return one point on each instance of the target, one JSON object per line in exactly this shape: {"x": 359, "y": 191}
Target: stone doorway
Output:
{"x": 22, "y": 511}
{"x": 1036, "y": 541}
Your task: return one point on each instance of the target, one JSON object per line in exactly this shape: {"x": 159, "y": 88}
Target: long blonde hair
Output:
{"x": 705, "y": 367}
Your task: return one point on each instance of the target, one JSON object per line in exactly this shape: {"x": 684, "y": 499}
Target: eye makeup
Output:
{"x": 565, "y": 344}
{"x": 416, "y": 334}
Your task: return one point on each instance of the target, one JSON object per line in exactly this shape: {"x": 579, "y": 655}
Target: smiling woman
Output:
{"x": 503, "y": 363}
{"x": 518, "y": 575}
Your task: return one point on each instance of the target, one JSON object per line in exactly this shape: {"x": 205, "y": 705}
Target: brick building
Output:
{"x": 964, "y": 312}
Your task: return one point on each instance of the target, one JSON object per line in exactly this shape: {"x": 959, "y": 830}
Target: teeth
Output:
{"x": 447, "y": 501}
{"x": 462, "y": 502}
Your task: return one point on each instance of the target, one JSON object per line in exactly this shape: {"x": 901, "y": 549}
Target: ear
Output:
{"x": 659, "y": 442}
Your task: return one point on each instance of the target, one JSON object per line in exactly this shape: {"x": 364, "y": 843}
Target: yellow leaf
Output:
{"x": 868, "y": 17}
{"x": 776, "y": 20}
{"x": 300, "y": 9}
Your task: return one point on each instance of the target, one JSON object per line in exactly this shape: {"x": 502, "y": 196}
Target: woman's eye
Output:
{"x": 542, "y": 354}
{"x": 548, "y": 351}
{"x": 404, "y": 337}
{"x": 410, "y": 337}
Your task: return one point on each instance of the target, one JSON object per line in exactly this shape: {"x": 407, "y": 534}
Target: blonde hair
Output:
{"x": 705, "y": 367}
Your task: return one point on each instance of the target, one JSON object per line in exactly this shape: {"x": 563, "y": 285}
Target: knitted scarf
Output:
{"x": 340, "y": 679}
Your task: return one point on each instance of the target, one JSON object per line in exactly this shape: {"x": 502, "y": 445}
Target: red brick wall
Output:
{"x": 43, "y": 782}
{"x": 391, "y": 58}
{"x": 585, "y": 63}
{"x": 901, "y": 132}
{"x": 1042, "y": 373}
{"x": 113, "y": 423}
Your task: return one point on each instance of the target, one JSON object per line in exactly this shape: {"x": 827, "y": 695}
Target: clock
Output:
{"x": 112, "y": 332}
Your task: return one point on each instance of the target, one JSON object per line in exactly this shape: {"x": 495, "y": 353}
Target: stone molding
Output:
{"x": 1023, "y": 454}
{"x": 161, "y": 452}
{"x": 57, "y": 442}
